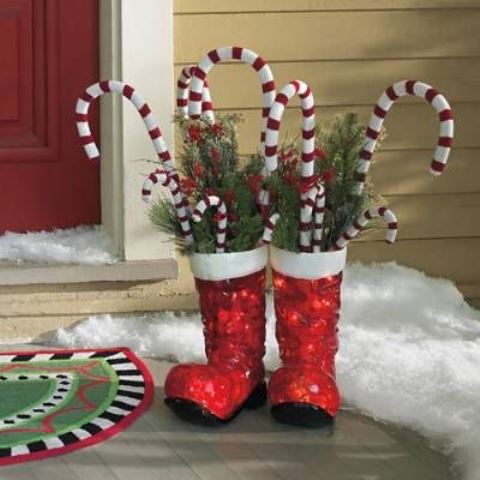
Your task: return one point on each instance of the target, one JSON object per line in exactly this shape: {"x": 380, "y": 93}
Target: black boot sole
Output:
{"x": 195, "y": 413}
{"x": 301, "y": 415}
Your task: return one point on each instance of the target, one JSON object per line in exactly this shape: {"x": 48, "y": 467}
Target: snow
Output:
{"x": 409, "y": 354}
{"x": 86, "y": 245}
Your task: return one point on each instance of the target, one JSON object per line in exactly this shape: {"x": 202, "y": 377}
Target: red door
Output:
{"x": 48, "y": 55}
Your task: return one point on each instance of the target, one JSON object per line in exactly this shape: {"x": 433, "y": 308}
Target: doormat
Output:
{"x": 54, "y": 402}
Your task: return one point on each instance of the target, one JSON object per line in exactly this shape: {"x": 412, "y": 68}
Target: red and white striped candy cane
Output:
{"x": 181, "y": 205}
{"x": 300, "y": 88}
{"x": 359, "y": 224}
{"x": 306, "y": 217}
{"x": 221, "y": 218}
{"x": 232, "y": 53}
{"x": 183, "y": 84}
{"x": 318, "y": 214}
{"x": 385, "y": 102}
{"x": 109, "y": 86}
{"x": 270, "y": 225}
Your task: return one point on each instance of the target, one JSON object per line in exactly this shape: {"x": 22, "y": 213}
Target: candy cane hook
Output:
{"x": 384, "y": 104}
{"x": 318, "y": 214}
{"x": 183, "y": 84}
{"x": 221, "y": 218}
{"x": 300, "y": 88}
{"x": 181, "y": 205}
{"x": 232, "y": 53}
{"x": 270, "y": 225}
{"x": 306, "y": 217}
{"x": 360, "y": 223}
{"x": 109, "y": 86}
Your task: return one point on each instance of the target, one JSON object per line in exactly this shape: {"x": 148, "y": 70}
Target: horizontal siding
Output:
{"x": 349, "y": 51}
{"x": 333, "y": 35}
{"x": 438, "y": 257}
{"x": 404, "y": 172}
{"x": 233, "y": 6}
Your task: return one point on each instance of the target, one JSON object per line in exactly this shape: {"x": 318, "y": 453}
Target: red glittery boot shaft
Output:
{"x": 233, "y": 313}
{"x": 303, "y": 391}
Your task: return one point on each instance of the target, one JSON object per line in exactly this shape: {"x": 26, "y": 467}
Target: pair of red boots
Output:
{"x": 232, "y": 303}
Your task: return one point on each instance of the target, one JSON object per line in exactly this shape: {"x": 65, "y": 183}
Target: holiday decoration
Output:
{"x": 98, "y": 89}
{"x": 210, "y": 164}
{"x": 226, "y": 256}
{"x": 220, "y": 218}
{"x": 307, "y": 284}
{"x": 360, "y": 223}
{"x": 318, "y": 214}
{"x": 179, "y": 201}
{"x": 270, "y": 225}
{"x": 308, "y": 205}
{"x": 57, "y": 401}
{"x": 384, "y": 104}
{"x": 232, "y": 53}
{"x": 307, "y": 303}
{"x": 231, "y": 288}
{"x": 308, "y": 146}
{"x": 183, "y": 84}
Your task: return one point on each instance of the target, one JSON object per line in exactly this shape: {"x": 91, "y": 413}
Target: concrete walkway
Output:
{"x": 159, "y": 446}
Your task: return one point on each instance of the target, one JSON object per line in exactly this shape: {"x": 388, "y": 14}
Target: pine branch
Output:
{"x": 210, "y": 166}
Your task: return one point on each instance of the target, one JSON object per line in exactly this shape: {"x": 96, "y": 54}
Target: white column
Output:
{"x": 139, "y": 51}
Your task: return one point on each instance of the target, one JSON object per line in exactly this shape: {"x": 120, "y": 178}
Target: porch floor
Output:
{"x": 159, "y": 446}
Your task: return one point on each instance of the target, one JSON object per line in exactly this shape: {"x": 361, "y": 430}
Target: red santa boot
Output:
{"x": 307, "y": 303}
{"x": 232, "y": 303}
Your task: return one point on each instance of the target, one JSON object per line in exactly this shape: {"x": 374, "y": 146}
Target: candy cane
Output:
{"x": 359, "y": 224}
{"x": 109, "y": 86}
{"x": 300, "y": 88}
{"x": 318, "y": 213}
{"x": 306, "y": 217}
{"x": 385, "y": 102}
{"x": 183, "y": 84}
{"x": 214, "y": 201}
{"x": 181, "y": 205}
{"x": 232, "y": 53}
{"x": 270, "y": 225}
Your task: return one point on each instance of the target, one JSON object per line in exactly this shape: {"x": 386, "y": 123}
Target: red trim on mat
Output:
{"x": 104, "y": 434}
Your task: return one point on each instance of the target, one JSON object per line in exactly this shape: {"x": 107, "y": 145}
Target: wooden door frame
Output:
{"x": 125, "y": 31}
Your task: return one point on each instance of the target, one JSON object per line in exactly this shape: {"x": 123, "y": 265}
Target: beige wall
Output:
{"x": 349, "y": 51}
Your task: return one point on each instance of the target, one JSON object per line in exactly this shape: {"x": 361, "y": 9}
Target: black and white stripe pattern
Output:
{"x": 130, "y": 394}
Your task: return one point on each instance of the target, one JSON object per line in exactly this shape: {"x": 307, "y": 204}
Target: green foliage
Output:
{"x": 285, "y": 201}
{"x": 340, "y": 143}
{"x": 210, "y": 166}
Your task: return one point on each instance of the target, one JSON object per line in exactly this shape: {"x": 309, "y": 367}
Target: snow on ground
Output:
{"x": 87, "y": 245}
{"x": 409, "y": 353}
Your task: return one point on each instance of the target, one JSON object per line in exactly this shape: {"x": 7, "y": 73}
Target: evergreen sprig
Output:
{"x": 210, "y": 166}
{"x": 337, "y": 155}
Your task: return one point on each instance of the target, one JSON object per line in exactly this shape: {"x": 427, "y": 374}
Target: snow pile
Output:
{"x": 410, "y": 351}
{"x": 87, "y": 245}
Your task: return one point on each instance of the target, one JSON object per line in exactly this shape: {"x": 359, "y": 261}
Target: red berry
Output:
{"x": 320, "y": 153}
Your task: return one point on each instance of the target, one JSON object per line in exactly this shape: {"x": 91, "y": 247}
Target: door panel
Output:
{"x": 48, "y": 55}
